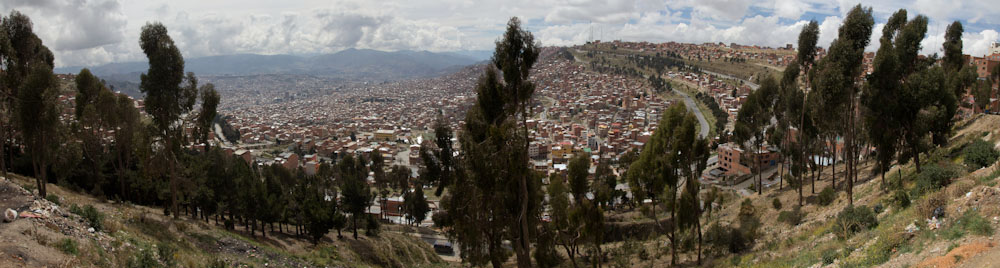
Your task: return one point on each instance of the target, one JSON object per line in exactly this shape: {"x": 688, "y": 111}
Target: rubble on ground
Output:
{"x": 934, "y": 223}
{"x": 984, "y": 199}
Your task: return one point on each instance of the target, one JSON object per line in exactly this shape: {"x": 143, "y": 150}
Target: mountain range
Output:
{"x": 350, "y": 64}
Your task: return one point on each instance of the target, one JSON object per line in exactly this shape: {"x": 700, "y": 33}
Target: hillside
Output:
{"x": 53, "y": 234}
{"x": 356, "y": 64}
{"x": 949, "y": 219}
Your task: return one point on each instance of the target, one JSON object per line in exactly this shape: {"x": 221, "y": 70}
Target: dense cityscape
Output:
{"x": 753, "y": 136}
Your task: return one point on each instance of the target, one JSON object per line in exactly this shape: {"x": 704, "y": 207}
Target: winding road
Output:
{"x": 752, "y": 85}
{"x": 693, "y": 108}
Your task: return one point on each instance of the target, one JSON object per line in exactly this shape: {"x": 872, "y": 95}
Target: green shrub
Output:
{"x": 980, "y": 154}
{"x": 900, "y": 199}
{"x": 829, "y": 256}
{"x": 749, "y": 220}
{"x": 68, "y": 246}
{"x": 166, "y": 253}
{"x": 740, "y": 240}
{"x": 53, "y": 198}
{"x": 933, "y": 177}
{"x": 372, "y": 226}
{"x": 854, "y": 219}
{"x": 89, "y": 213}
{"x": 75, "y": 209}
{"x": 826, "y": 196}
{"x": 792, "y": 217}
{"x": 545, "y": 248}
{"x": 717, "y": 237}
{"x": 143, "y": 259}
{"x": 776, "y": 203}
{"x": 93, "y": 217}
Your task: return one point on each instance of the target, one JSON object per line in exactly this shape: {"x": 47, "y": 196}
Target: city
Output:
{"x": 617, "y": 133}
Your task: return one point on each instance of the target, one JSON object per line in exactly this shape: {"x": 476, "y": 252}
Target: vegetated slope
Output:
{"x": 951, "y": 218}
{"x": 901, "y": 235}
{"x": 106, "y": 234}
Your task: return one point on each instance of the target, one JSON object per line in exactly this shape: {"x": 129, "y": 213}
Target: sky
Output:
{"x": 94, "y": 32}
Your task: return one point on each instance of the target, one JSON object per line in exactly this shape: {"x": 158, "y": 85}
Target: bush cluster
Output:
{"x": 854, "y": 219}
{"x": 980, "y": 154}
{"x": 826, "y": 196}
{"x": 792, "y": 217}
{"x": 735, "y": 238}
{"x": 900, "y": 199}
{"x": 68, "y": 246}
{"x": 89, "y": 213}
{"x": 829, "y": 256}
{"x": 933, "y": 177}
{"x": 53, "y": 198}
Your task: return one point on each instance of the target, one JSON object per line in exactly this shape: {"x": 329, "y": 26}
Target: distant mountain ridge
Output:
{"x": 352, "y": 64}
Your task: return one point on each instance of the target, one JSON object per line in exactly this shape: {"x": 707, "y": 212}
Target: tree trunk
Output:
{"x": 801, "y": 178}
{"x": 697, "y": 222}
{"x": 673, "y": 231}
{"x": 121, "y": 178}
{"x": 781, "y": 172}
{"x": 173, "y": 177}
{"x": 494, "y": 259}
{"x": 812, "y": 173}
{"x": 833, "y": 169}
{"x": 3, "y": 152}
{"x": 354, "y": 218}
{"x": 849, "y": 153}
{"x": 522, "y": 245}
{"x": 571, "y": 254}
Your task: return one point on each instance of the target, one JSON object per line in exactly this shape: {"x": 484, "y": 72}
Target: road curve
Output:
{"x": 693, "y": 107}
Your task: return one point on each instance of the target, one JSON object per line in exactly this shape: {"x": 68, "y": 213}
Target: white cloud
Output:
{"x": 789, "y": 9}
{"x": 92, "y": 32}
{"x": 74, "y": 27}
{"x": 602, "y": 11}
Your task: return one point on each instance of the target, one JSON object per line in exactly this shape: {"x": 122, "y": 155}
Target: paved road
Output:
{"x": 748, "y": 83}
{"x": 693, "y": 107}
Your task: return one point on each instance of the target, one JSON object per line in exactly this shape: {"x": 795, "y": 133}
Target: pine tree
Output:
{"x": 497, "y": 198}
{"x": 883, "y": 98}
{"x": 673, "y": 153}
{"x": 752, "y": 119}
{"x": 207, "y": 114}
{"x": 836, "y": 83}
{"x": 356, "y": 193}
{"x": 38, "y": 119}
{"x": 166, "y": 99}
{"x": 567, "y": 231}
{"x": 792, "y": 100}
{"x": 415, "y": 205}
{"x": 21, "y": 51}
